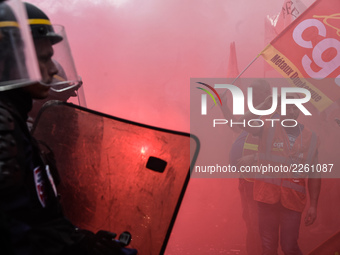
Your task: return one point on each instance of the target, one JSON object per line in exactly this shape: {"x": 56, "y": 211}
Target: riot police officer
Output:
{"x": 29, "y": 206}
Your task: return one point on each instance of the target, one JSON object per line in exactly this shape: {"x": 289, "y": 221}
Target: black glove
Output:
{"x": 104, "y": 243}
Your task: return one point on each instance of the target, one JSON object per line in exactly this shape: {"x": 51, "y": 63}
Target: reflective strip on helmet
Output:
{"x": 39, "y": 22}
{"x": 250, "y": 146}
{"x": 9, "y": 24}
{"x": 312, "y": 148}
{"x": 294, "y": 186}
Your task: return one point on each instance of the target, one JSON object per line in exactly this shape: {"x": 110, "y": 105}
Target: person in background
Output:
{"x": 282, "y": 196}
{"x": 244, "y": 152}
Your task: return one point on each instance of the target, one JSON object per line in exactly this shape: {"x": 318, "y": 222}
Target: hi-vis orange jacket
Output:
{"x": 274, "y": 150}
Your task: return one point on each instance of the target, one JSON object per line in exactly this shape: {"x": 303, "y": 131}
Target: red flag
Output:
{"x": 310, "y": 48}
{"x": 275, "y": 24}
{"x": 291, "y": 9}
{"x": 232, "y": 71}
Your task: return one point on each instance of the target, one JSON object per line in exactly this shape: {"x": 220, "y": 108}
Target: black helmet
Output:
{"x": 41, "y": 27}
{"x": 11, "y": 44}
{"x": 9, "y": 29}
{"x": 17, "y": 53}
{"x": 7, "y": 17}
{"x": 40, "y": 24}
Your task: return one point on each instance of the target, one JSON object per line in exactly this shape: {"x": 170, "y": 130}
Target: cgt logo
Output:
{"x": 278, "y": 146}
{"x": 238, "y": 99}
{"x": 322, "y": 68}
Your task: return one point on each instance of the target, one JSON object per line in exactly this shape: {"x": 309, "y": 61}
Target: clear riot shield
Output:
{"x": 118, "y": 175}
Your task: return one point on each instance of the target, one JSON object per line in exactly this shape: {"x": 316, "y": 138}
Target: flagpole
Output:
{"x": 238, "y": 76}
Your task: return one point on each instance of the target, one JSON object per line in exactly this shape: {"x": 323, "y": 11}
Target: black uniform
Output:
{"x": 28, "y": 198}
{"x": 31, "y": 218}
{"x": 27, "y": 192}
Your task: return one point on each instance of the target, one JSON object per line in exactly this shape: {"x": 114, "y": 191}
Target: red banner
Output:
{"x": 307, "y": 52}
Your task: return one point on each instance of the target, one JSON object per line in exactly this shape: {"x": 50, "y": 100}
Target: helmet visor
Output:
{"x": 18, "y": 62}
{"x": 67, "y": 77}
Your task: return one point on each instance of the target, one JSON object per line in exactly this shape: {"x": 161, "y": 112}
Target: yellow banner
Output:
{"x": 288, "y": 70}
